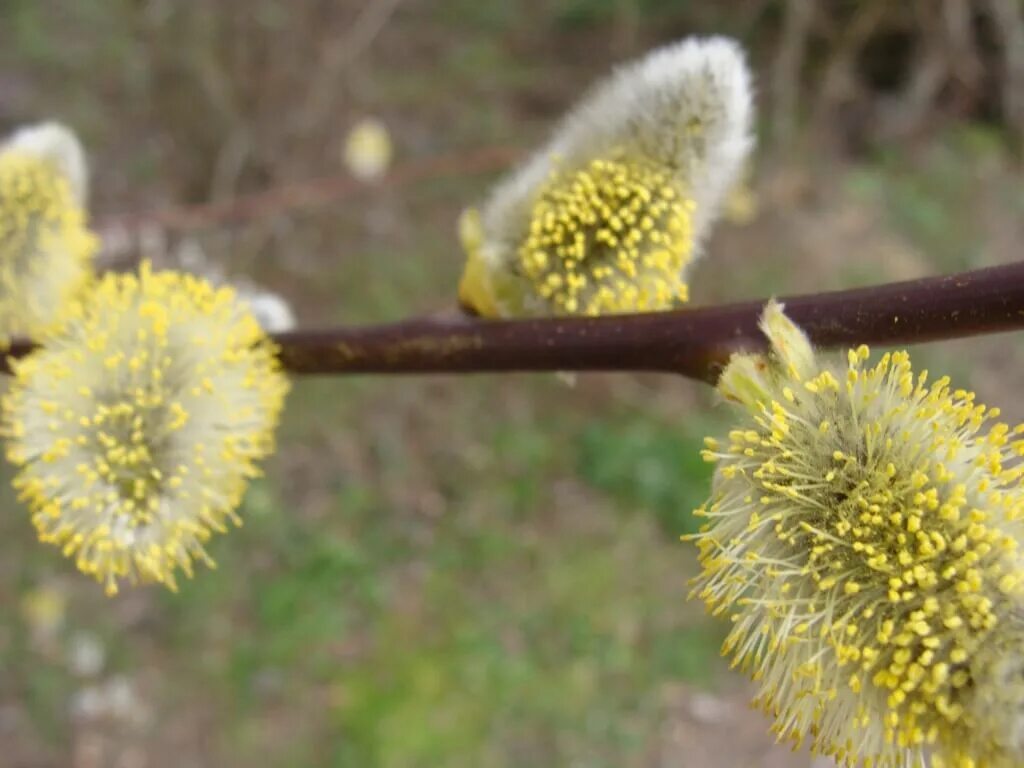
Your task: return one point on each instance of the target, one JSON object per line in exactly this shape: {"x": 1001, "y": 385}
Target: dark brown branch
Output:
{"x": 692, "y": 342}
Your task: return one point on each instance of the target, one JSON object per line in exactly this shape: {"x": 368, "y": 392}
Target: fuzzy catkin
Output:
{"x": 46, "y": 246}
{"x": 864, "y": 537}
{"x": 136, "y": 425}
{"x": 674, "y": 124}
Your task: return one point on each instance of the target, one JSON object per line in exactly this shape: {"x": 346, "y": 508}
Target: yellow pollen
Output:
{"x": 613, "y": 237}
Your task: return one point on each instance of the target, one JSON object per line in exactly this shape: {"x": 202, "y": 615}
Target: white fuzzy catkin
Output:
{"x": 58, "y": 145}
{"x": 46, "y": 246}
{"x": 686, "y": 107}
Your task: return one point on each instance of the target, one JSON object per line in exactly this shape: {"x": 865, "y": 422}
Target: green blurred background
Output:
{"x": 480, "y": 571}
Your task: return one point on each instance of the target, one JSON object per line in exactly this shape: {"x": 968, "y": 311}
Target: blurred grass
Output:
{"x": 434, "y": 572}
{"x": 648, "y": 466}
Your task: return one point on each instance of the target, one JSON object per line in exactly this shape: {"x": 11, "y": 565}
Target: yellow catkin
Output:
{"x": 613, "y": 237}
{"x": 46, "y": 249}
{"x": 608, "y": 216}
{"x": 863, "y": 536}
{"x": 137, "y": 424}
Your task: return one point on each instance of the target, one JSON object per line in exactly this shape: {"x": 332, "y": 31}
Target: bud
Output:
{"x": 367, "y": 152}
{"x": 608, "y": 216}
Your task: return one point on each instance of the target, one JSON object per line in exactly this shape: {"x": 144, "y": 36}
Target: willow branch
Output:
{"x": 692, "y": 342}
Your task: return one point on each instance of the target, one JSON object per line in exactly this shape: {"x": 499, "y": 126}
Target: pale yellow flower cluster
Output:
{"x": 864, "y": 538}
{"x": 139, "y": 418}
{"x": 46, "y": 247}
{"x": 609, "y": 215}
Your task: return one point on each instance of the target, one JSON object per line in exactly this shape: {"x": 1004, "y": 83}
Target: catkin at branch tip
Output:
{"x": 137, "y": 424}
